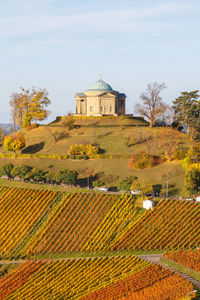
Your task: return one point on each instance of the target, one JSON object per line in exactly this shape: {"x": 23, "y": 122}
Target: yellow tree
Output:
{"x": 29, "y": 105}
{"x": 14, "y": 142}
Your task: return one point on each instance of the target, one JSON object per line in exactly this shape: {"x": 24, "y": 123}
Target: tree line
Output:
{"x": 30, "y": 105}
{"x": 185, "y": 110}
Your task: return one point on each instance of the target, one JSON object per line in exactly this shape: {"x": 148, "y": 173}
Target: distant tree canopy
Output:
{"x": 29, "y": 105}
{"x": 152, "y": 106}
{"x": 187, "y": 110}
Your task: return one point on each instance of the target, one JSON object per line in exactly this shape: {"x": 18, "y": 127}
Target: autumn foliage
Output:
{"x": 172, "y": 224}
{"x": 84, "y": 150}
{"x": 189, "y": 258}
{"x": 14, "y": 142}
{"x": 98, "y": 278}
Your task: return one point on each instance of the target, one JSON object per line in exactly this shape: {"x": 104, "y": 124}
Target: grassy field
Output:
{"x": 119, "y": 140}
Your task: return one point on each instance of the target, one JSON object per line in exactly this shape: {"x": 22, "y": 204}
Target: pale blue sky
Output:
{"x": 64, "y": 45}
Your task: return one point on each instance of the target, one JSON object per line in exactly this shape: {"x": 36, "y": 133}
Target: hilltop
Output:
{"x": 118, "y": 138}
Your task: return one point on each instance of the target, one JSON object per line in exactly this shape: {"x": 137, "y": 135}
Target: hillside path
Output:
{"x": 155, "y": 258}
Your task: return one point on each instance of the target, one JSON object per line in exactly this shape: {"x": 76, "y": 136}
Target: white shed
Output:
{"x": 147, "y": 204}
{"x": 198, "y": 199}
{"x": 135, "y": 192}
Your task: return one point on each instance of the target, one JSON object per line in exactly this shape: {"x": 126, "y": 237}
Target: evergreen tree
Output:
{"x": 187, "y": 110}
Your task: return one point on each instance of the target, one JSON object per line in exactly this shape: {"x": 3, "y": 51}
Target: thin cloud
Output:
{"x": 104, "y": 21}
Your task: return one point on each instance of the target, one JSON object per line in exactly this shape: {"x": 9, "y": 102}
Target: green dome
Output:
{"x": 100, "y": 85}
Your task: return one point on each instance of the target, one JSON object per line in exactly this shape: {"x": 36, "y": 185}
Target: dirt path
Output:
{"x": 155, "y": 258}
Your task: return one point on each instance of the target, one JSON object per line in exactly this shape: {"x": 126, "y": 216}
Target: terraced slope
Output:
{"x": 172, "y": 224}
{"x": 41, "y": 222}
{"x": 21, "y": 212}
{"x": 84, "y": 222}
{"x": 33, "y": 221}
{"x": 99, "y": 278}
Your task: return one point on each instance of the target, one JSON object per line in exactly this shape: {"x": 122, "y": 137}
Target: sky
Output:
{"x": 65, "y": 45}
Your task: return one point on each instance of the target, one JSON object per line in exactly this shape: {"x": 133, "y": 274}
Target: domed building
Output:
{"x": 100, "y": 100}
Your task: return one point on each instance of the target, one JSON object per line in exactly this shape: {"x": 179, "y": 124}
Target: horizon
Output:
{"x": 64, "y": 47}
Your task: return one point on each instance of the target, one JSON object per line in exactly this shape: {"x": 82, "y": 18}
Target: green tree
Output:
{"x": 192, "y": 181}
{"x": 36, "y": 175}
{"x": 67, "y": 177}
{"x": 187, "y": 111}
{"x": 50, "y": 177}
{"x": 125, "y": 184}
{"x": 6, "y": 170}
{"x": 21, "y": 171}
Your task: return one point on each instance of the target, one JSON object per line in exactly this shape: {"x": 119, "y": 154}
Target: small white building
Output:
{"x": 198, "y": 199}
{"x": 147, "y": 204}
{"x": 135, "y": 192}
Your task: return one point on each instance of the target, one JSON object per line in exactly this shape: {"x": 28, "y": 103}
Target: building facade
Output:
{"x": 100, "y": 100}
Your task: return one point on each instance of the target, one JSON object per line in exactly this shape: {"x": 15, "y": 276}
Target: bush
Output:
{"x": 125, "y": 185}
{"x": 69, "y": 123}
{"x": 32, "y": 126}
{"x": 36, "y": 175}
{"x": 67, "y": 177}
{"x": 98, "y": 183}
{"x": 20, "y": 171}
{"x": 143, "y": 160}
{"x": 50, "y": 177}
{"x": 83, "y": 150}
{"x": 180, "y": 152}
{"x": 192, "y": 181}
{"x": 14, "y": 142}
{"x": 6, "y": 170}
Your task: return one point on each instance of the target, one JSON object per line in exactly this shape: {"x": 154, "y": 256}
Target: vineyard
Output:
{"x": 35, "y": 221}
{"x": 99, "y": 278}
{"x": 21, "y": 212}
{"x": 190, "y": 258}
{"x": 41, "y": 222}
{"x": 172, "y": 224}
{"x": 84, "y": 222}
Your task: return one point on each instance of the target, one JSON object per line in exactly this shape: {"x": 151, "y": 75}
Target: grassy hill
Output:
{"x": 114, "y": 137}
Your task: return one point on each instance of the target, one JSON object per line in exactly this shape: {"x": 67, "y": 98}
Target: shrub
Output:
{"x": 180, "y": 152}
{"x": 125, "y": 185}
{"x": 66, "y": 176}
{"x": 14, "y": 142}
{"x": 20, "y": 171}
{"x": 32, "y": 126}
{"x": 135, "y": 184}
{"x": 143, "y": 160}
{"x": 50, "y": 177}
{"x": 192, "y": 181}
{"x": 6, "y": 170}
{"x": 98, "y": 183}
{"x": 69, "y": 123}
{"x": 83, "y": 150}
{"x": 157, "y": 189}
{"x": 36, "y": 174}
